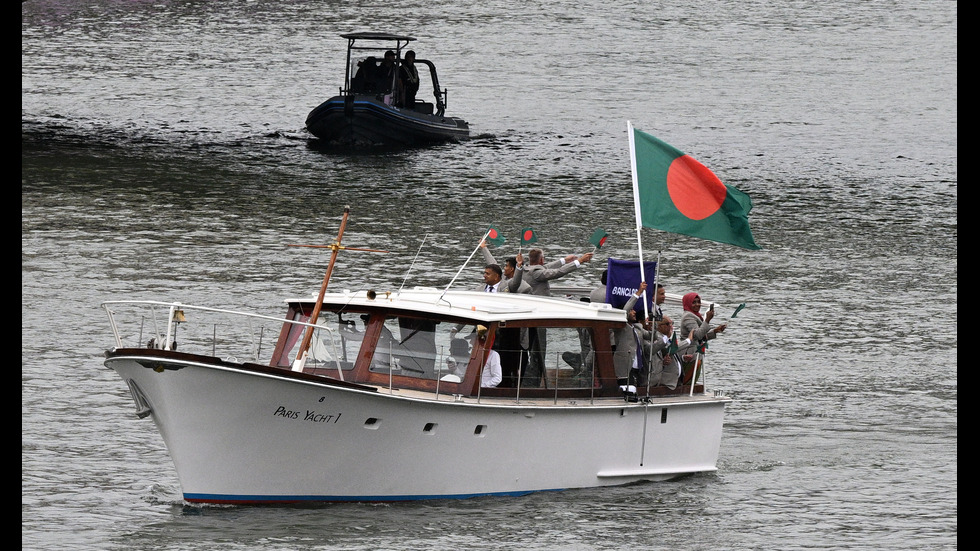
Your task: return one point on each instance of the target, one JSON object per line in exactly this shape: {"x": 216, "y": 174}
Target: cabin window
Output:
{"x": 566, "y": 354}
{"x": 424, "y": 349}
{"x": 334, "y": 344}
{"x": 338, "y": 345}
{"x": 329, "y": 348}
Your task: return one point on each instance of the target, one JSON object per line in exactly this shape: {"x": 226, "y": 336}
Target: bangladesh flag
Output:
{"x": 528, "y": 236}
{"x": 599, "y": 238}
{"x": 494, "y": 237}
{"x": 675, "y": 193}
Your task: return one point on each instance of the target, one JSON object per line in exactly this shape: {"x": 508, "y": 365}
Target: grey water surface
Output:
{"x": 164, "y": 156}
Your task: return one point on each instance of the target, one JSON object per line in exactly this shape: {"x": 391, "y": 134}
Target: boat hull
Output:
{"x": 363, "y": 119}
{"x": 239, "y": 433}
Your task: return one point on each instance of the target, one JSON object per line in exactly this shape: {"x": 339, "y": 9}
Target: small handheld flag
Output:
{"x": 739, "y": 309}
{"x": 528, "y": 236}
{"x": 494, "y": 237}
{"x": 599, "y": 238}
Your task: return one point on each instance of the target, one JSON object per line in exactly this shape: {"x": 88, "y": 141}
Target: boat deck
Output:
{"x": 676, "y": 397}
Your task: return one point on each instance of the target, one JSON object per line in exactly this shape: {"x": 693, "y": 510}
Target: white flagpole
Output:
{"x": 639, "y": 242}
{"x": 639, "y": 250}
{"x": 636, "y": 212}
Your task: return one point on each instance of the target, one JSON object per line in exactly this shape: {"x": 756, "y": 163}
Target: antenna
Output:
{"x": 424, "y": 237}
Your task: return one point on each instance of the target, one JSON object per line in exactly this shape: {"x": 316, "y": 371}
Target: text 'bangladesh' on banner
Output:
{"x": 623, "y": 279}
{"x": 676, "y": 193}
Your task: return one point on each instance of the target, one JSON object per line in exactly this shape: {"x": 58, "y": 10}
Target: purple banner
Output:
{"x": 623, "y": 279}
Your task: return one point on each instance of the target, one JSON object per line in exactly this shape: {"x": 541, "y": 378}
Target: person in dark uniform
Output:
{"x": 408, "y": 80}
{"x": 364, "y": 80}
{"x": 386, "y": 73}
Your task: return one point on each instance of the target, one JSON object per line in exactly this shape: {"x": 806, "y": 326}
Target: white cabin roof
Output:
{"x": 474, "y": 305}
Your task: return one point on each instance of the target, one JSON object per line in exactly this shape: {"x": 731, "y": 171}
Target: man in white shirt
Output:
{"x": 492, "y": 375}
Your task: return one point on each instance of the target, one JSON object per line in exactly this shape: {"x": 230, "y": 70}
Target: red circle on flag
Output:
{"x": 603, "y": 240}
{"x": 528, "y": 235}
{"x": 694, "y": 189}
{"x": 493, "y": 234}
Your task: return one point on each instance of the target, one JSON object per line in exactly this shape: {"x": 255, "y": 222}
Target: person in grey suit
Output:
{"x": 599, "y": 293}
{"x": 658, "y": 313}
{"x": 492, "y": 282}
{"x": 513, "y": 270}
{"x": 538, "y": 275}
{"x": 510, "y": 343}
{"x": 627, "y": 338}
{"x": 514, "y": 274}
{"x": 692, "y": 322}
{"x": 665, "y": 368}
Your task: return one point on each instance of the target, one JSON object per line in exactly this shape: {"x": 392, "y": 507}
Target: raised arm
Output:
{"x": 514, "y": 283}
{"x": 487, "y": 256}
{"x": 635, "y": 297}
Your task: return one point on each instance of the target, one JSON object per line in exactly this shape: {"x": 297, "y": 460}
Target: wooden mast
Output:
{"x": 335, "y": 247}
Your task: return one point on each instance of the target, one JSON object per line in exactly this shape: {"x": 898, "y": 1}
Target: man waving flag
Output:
{"x": 675, "y": 193}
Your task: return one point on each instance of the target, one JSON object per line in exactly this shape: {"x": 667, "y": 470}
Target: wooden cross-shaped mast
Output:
{"x": 336, "y": 247}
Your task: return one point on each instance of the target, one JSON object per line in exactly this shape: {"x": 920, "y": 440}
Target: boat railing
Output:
{"x": 229, "y": 334}
{"x": 441, "y": 94}
{"x": 237, "y": 336}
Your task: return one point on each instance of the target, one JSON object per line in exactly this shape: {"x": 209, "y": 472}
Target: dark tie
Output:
{"x": 639, "y": 350}
{"x": 489, "y": 288}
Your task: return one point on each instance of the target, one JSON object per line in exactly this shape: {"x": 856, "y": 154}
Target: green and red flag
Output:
{"x": 675, "y": 193}
{"x": 528, "y": 236}
{"x": 599, "y": 238}
{"x": 737, "y": 310}
{"x": 494, "y": 237}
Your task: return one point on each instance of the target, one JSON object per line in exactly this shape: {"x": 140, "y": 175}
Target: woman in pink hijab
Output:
{"x": 692, "y": 320}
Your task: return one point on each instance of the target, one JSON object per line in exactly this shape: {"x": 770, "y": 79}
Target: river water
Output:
{"x": 164, "y": 156}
